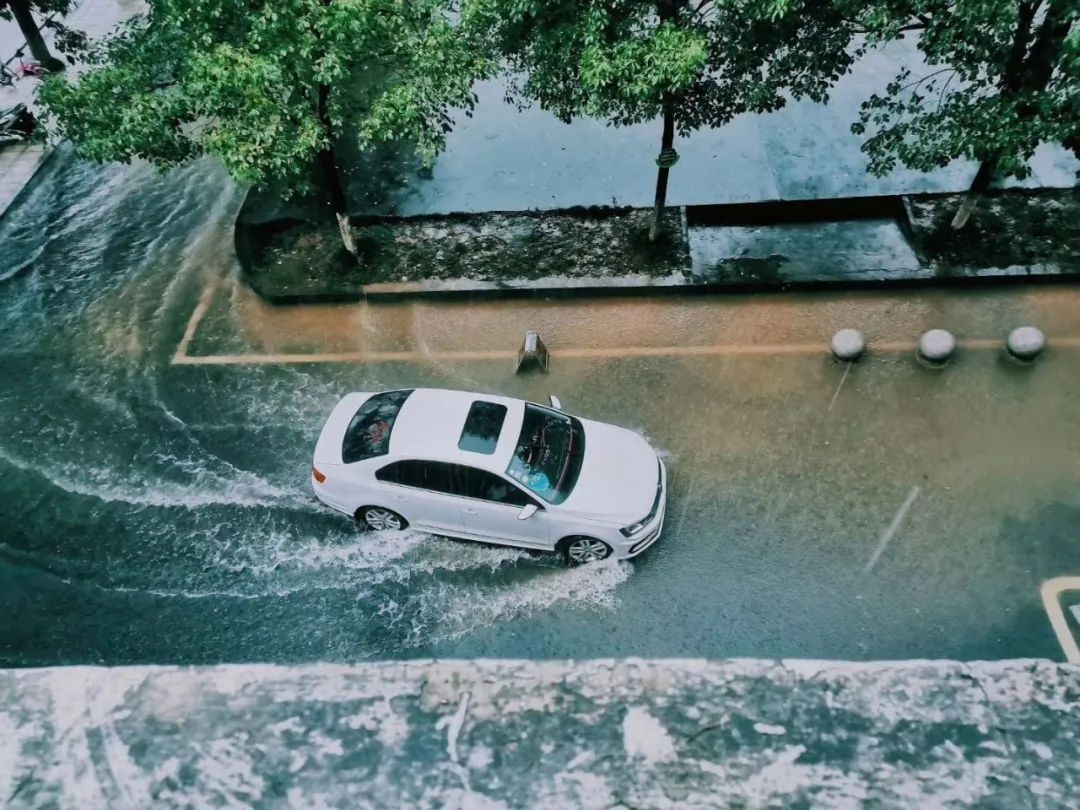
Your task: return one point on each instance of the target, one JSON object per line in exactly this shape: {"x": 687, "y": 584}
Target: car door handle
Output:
{"x": 471, "y": 512}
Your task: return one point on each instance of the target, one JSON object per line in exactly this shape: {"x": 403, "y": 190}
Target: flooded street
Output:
{"x": 158, "y": 424}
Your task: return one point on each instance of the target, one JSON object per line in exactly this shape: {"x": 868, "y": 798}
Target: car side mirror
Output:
{"x": 527, "y": 511}
{"x": 555, "y": 403}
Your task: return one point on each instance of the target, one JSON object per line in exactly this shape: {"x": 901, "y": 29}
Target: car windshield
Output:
{"x": 368, "y": 434}
{"x": 549, "y": 453}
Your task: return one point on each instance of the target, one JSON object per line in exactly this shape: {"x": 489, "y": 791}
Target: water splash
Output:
{"x": 448, "y": 611}
{"x": 106, "y": 484}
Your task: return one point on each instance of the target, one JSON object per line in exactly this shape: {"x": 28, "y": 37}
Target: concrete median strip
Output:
{"x": 524, "y": 734}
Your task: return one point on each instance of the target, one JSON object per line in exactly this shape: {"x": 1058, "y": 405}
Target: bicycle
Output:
{"x": 35, "y": 69}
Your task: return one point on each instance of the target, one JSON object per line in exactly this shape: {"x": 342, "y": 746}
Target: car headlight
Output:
{"x": 633, "y": 528}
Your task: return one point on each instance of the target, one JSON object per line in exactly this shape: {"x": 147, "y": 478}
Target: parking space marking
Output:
{"x": 1051, "y": 591}
{"x": 892, "y": 529}
{"x": 841, "y": 385}
{"x": 182, "y": 358}
{"x": 197, "y": 315}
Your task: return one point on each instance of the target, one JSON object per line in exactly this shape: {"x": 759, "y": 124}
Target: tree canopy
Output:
{"x": 1004, "y": 77}
{"x": 695, "y": 63}
{"x": 718, "y": 58}
{"x": 248, "y": 81}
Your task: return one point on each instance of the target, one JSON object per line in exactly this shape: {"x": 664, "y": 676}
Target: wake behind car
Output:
{"x": 492, "y": 469}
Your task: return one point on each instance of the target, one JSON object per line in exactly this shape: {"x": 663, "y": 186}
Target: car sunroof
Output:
{"x": 482, "y": 427}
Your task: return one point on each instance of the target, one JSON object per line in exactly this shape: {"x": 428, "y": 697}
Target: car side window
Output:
{"x": 474, "y": 483}
{"x": 435, "y": 476}
{"x": 391, "y": 473}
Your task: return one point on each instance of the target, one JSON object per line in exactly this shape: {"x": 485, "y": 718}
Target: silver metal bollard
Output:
{"x": 533, "y": 352}
{"x": 1025, "y": 343}
{"x": 937, "y": 346}
{"x": 848, "y": 344}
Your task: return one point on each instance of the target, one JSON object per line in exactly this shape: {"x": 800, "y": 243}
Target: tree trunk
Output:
{"x": 667, "y": 142}
{"x": 20, "y": 9}
{"x": 1046, "y": 50}
{"x": 1026, "y": 70}
{"x": 332, "y": 177}
{"x": 1014, "y": 67}
{"x": 978, "y": 186}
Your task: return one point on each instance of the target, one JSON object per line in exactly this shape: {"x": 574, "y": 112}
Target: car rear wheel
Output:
{"x": 584, "y": 550}
{"x": 380, "y": 519}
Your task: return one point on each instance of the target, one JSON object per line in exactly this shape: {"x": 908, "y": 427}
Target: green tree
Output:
{"x": 22, "y": 11}
{"x": 1003, "y": 77}
{"x": 269, "y": 87}
{"x": 690, "y": 63}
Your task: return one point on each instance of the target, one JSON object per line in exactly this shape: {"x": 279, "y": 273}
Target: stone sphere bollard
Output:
{"x": 848, "y": 344}
{"x": 937, "y": 346}
{"x": 1025, "y": 343}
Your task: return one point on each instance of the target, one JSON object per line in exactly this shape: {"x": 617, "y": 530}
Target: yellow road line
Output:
{"x": 586, "y": 353}
{"x": 1051, "y": 596}
{"x": 182, "y": 358}
{"x": 193, "y": 322}
{"x": 336, "y": 357}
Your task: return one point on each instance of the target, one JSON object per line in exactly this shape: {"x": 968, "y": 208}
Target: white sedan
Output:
{"x": 492, "y": 469}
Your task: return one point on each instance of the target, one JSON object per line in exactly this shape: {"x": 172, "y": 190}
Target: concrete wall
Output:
{"x": 525, "y": 734}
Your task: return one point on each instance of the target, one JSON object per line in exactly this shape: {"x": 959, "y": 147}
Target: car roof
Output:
{"x": 430, "y": 422}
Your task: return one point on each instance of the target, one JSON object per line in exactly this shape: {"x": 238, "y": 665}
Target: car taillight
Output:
{"x": 318, "y": 476}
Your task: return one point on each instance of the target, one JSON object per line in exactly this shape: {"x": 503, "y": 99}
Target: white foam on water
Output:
{"x": 280, "y": 563}
{"x": 282, "y": 553}
{"x": 181, "y": 593}
{"x": 448, "y": 611}
{"x": 258, "y": 564}
{"x": 207, "y": 489}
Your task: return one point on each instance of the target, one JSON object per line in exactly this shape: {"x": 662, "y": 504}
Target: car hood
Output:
{"x": 619, "y": 475}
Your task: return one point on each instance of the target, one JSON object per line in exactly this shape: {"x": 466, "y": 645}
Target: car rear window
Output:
{"x": 368, "y": 434}
{"x": 482, "y": 427}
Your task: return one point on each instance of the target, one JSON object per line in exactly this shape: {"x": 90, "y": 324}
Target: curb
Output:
{"x": 636, "y": 286}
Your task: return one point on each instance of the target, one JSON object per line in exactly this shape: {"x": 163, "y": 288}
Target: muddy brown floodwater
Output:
{"x": 154, "y": 455}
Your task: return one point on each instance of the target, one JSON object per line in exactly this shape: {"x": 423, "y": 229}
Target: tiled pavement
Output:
{"x": 19, "y": 163}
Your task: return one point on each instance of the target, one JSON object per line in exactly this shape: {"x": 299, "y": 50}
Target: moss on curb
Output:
{"x": 292, "y": 257}
{"x": 1008, "y": 229}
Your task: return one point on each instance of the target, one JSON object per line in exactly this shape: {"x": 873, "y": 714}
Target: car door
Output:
{"x": 423, "y": 492}
{"x": 491, "y": 506}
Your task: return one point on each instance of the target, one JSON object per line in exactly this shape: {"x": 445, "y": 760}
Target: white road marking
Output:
{"x": 1051, "y": 591}
{"x": 841, "y": 385}
{"x": 893, "y": 528}
{"x": 686, "y": 502}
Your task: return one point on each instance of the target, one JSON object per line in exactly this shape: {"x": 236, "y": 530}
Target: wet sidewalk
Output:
{"x": 20, "y": 163}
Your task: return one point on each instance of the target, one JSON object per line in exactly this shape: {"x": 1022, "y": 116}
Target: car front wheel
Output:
{"x": 379, "y": 519}
{"x": 583, "y": 550}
